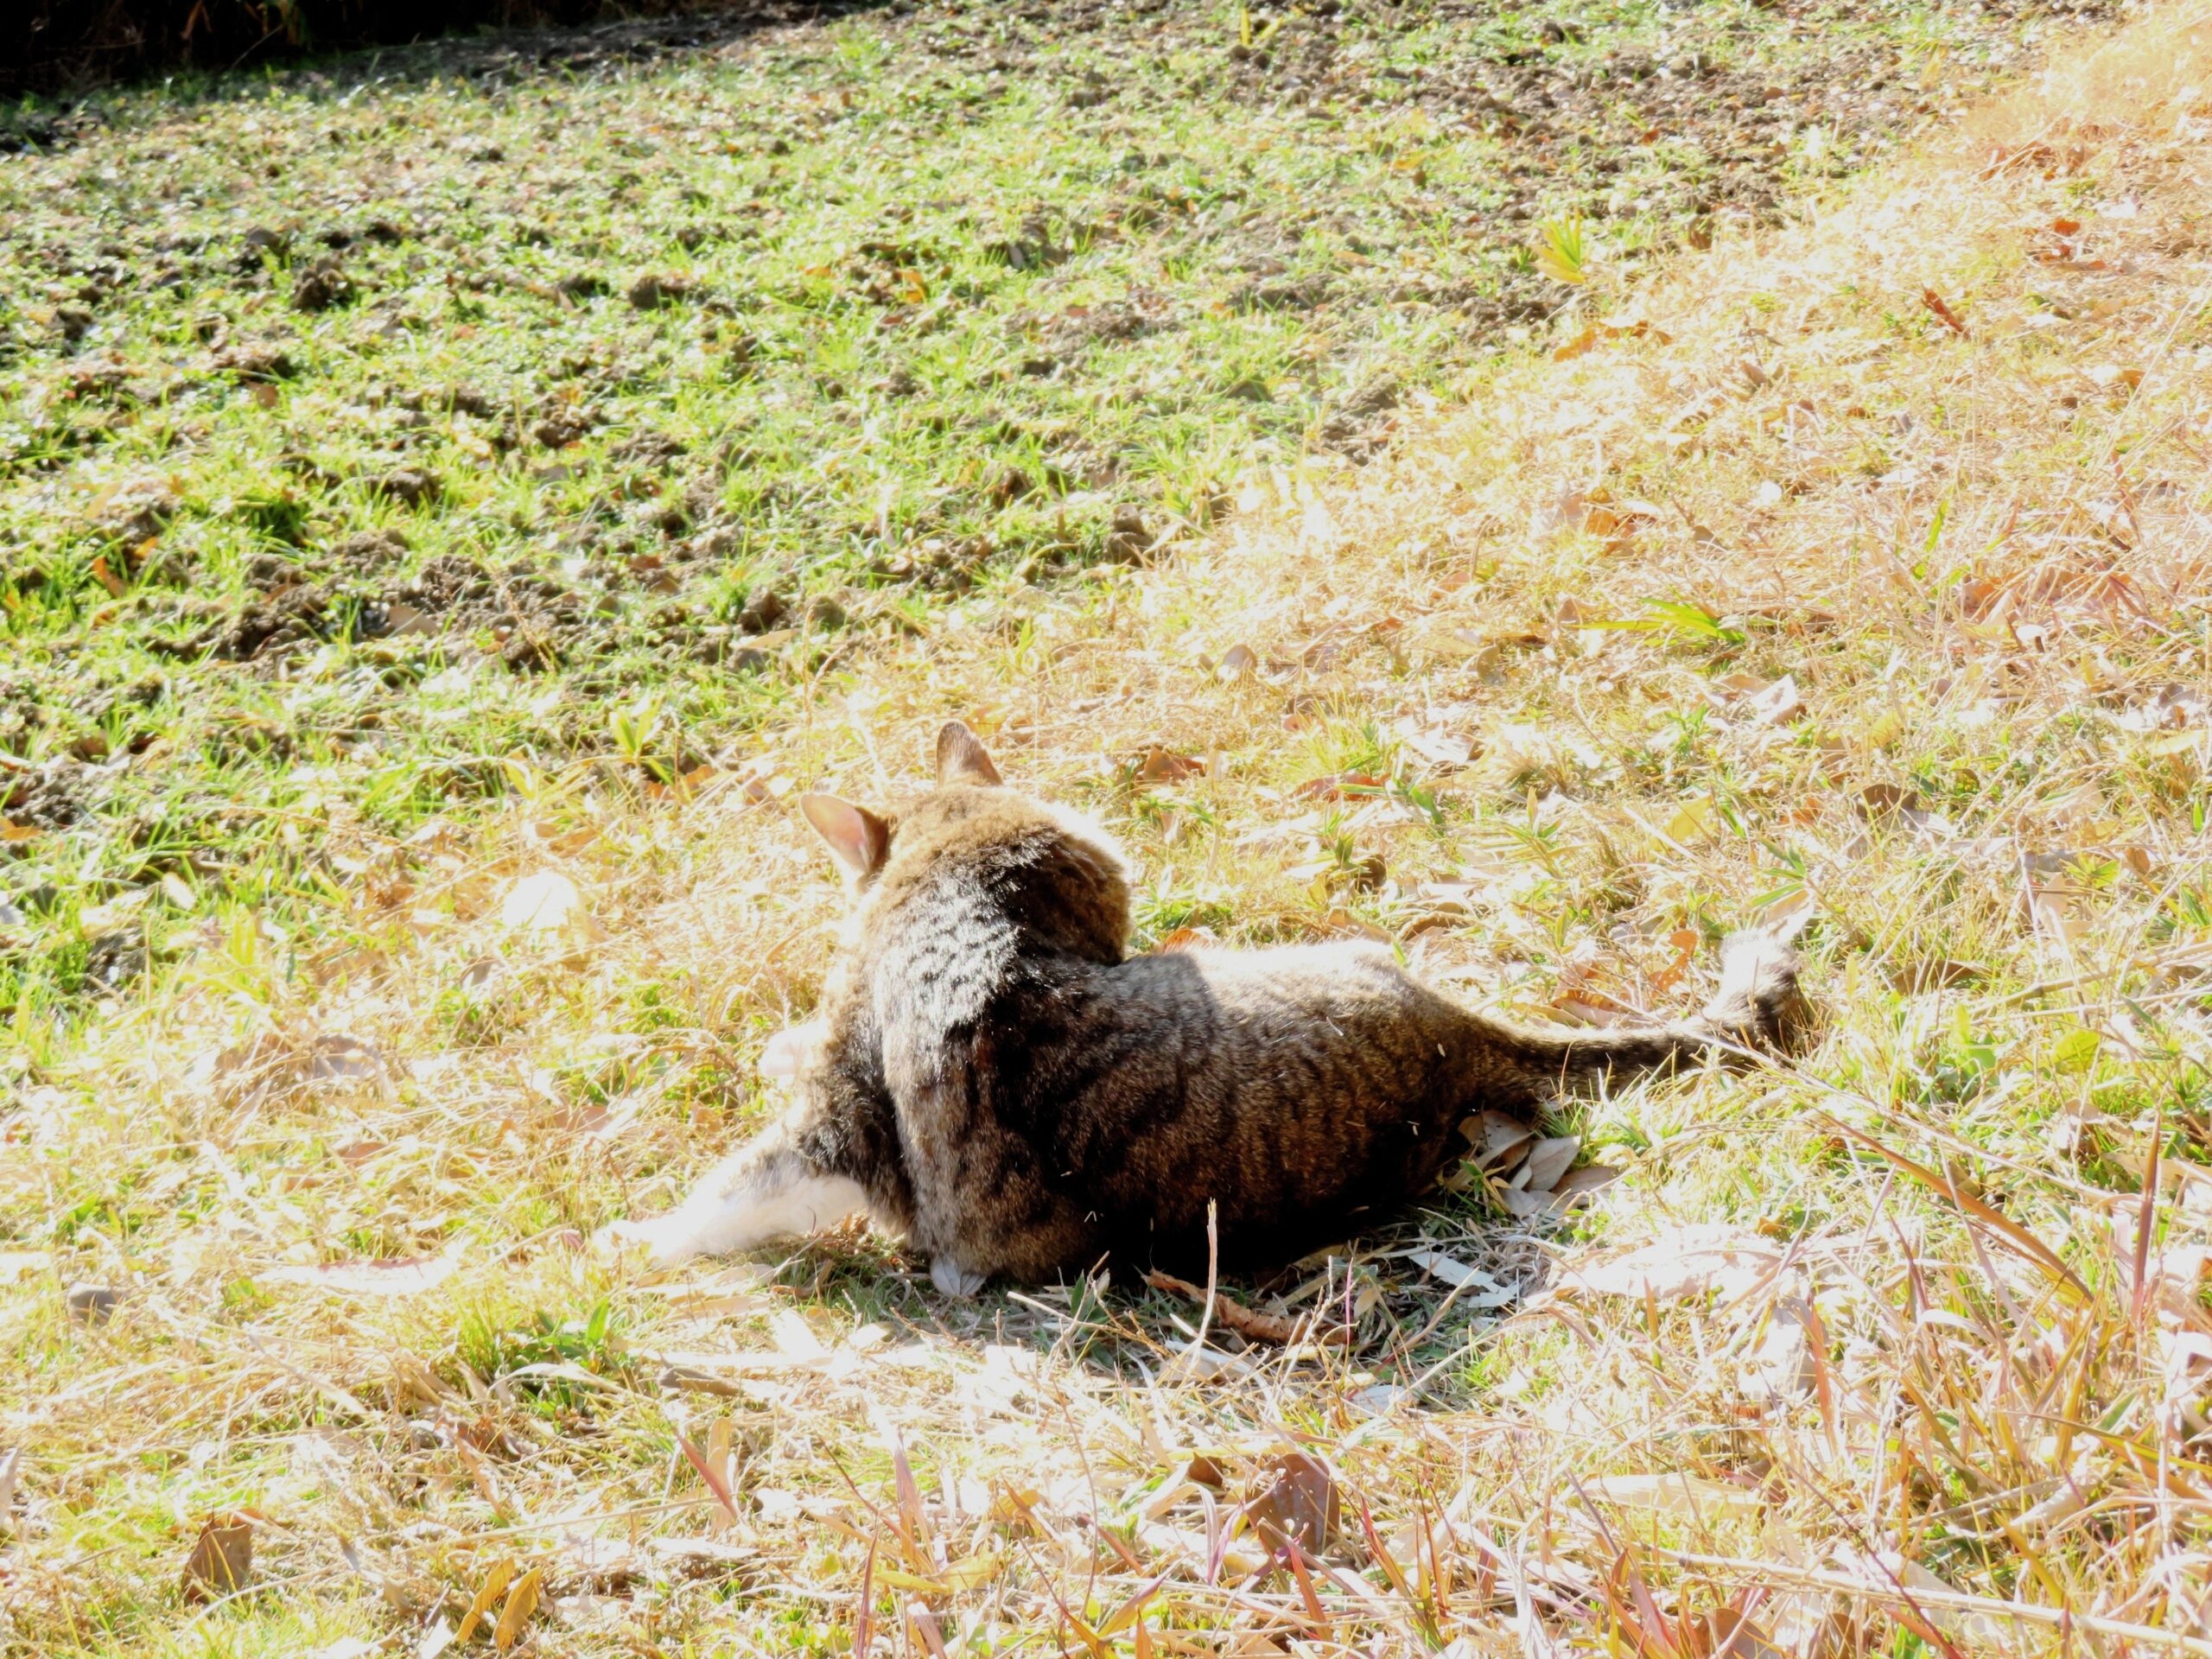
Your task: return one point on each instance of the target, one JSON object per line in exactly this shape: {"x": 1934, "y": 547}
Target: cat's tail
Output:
{"x": 1759, "y": 1007}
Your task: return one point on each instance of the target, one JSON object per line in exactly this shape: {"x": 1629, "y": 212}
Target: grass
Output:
{"x": 362, "y": 427}
{"x": 1897, "y": 1347}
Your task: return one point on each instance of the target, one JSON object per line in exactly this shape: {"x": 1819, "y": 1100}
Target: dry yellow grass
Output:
{"x": 1856, "y": 583}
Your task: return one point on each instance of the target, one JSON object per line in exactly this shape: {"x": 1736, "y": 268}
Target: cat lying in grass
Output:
{"x": 993, "y": 1076}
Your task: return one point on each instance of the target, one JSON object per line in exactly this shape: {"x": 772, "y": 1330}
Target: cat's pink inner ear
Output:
{"x": 961, "y": 758}
{"x": 857, "y": 839}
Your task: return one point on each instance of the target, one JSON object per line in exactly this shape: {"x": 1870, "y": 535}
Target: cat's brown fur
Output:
{"x": 996, "y": 1077}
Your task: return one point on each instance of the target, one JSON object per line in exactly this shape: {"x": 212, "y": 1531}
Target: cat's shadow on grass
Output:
{"x": 1367, "y": 1305}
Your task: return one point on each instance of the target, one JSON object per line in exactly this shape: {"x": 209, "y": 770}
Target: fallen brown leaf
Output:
{"x": 522, "y": 1601}
{"x": 1203, "y": 1471}
{"x": 1158, "y": 766}
{"x": 91, "y": 1304}
{"x": 1489, "y": 1292}
{"x": 1496, "y": 1139}
{"x": 1442, "y": 747}
{"x": 336, "y": 1058}
{"x": 1881, "y": 800}
{"x": 1341, "y": 922}
{"x": 546, "y": 901}
{"x": 495, "y": 1583}
{"x": 1548, "y": 1161}
{"x": 1342, "y": 786}
{"x": 1940, "y": 974}
{"x": 1292, "y": 1498}
{"x": 1592, "y": 332}
{"x": 1771, "y": 702}
{"x": 221, "y": 1558}
{"x": 1580, "y": 1183}
{"x": 1944, "y": 314}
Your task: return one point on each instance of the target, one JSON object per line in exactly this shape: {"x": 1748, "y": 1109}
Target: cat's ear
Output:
{"x": 857, "y": 839}
{"x": 960, "y": 757}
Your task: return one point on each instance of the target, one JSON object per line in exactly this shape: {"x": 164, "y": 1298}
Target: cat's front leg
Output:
{"x": 768, "y": 1189}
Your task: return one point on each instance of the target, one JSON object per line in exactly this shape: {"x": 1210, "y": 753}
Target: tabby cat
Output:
{"x": 993, "y": 1075}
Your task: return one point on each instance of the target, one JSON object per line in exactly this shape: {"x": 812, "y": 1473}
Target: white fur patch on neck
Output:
{"x": 792, "y": 1050}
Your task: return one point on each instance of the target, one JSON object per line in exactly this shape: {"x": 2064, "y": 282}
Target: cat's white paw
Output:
{"x": 955, "y": 1280}
{"x": 652, "y": 1243}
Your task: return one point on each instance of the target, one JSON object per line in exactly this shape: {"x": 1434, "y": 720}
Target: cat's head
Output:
{"x": 861, "y": 840}
{"x": 1055, "y": 873}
